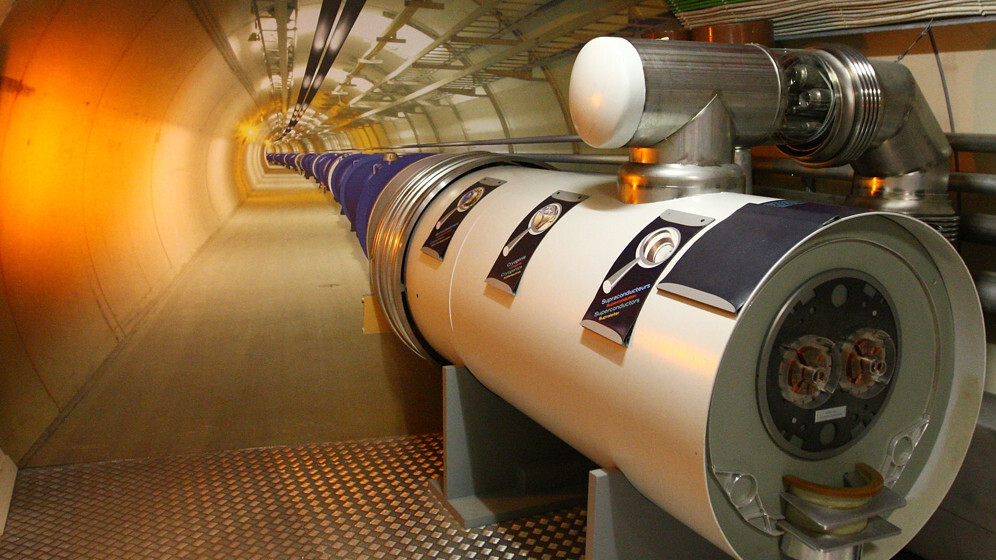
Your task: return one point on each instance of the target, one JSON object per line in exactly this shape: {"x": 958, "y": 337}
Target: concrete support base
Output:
{"x": 964, "y": 527}
{"x": 500, "y": 465}
{"x": 623, "y": 524}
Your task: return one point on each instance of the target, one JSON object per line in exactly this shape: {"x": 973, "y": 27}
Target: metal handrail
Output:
{"x": 551, "y": 139}
{"x": 960, "y": 142}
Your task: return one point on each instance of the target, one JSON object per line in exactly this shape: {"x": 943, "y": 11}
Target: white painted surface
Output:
{"x": 8, "y": 471}
{"x": 991, "y": 368}
{"x": 607, "y": 92}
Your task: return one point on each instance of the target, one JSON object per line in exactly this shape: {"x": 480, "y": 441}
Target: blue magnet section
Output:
{"x": 326, "y": 161}
{"x": 340, "y": 170}
{"x": 306, "y": 161}
{"x": 352, "y": 182}
{"x": 355, "y": 180}
{"x": 372, "y": 189}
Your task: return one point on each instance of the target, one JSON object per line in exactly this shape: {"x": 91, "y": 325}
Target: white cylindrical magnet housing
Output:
{"x": 681, "y": 404}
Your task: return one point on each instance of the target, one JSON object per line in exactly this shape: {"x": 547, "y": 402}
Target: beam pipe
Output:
{"x": 979, "y": 228}
{"x": 979, "y": 183}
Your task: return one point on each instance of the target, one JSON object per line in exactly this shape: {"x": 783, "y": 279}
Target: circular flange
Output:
{"x": 857, "y": 111}
{"x": 941, "y": 344}
{"x": 392, "y": 221}
{"x": 827, "y": 364}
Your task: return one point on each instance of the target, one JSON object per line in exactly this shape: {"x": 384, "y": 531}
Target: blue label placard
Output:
{"x": 525, "y": 239}
{"x": 772, "y": 229}
{"x": 631, "y": 278}
{"x": 447, "y": 225}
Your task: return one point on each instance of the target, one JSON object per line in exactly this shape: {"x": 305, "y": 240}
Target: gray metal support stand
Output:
{"x": 624, "y": 525}
{"x": 499, "y": 464}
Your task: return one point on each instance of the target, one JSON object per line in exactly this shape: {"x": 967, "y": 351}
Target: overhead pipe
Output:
{"x": 966, "y": 142}
{"x": 986, "y": 284}
{"x": 323, "y": 28}
{"x": 822, "y": 107}
{"x": 350, "y": 12}
{"x": 550, "y": 139}
{"x": 980, "y": 228}
{"x": 591, "y": 159}
{"x": 980, "y": 183}
{"x": 331, "y": 31}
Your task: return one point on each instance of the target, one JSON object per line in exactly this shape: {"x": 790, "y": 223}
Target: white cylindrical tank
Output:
{"x": 700, "y": 404}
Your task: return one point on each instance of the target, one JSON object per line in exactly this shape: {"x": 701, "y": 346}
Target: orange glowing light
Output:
{"x": 876, "y": 185}
{"x": 702, "y": 362}
{"x": 247, "y": 130}
{"x": 644, "y": 155}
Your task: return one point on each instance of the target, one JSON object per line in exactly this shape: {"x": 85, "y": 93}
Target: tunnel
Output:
{"x": 170, "y": 292}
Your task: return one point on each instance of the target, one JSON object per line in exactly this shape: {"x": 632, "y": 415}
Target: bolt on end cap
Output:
{"x": 607, "y": 93}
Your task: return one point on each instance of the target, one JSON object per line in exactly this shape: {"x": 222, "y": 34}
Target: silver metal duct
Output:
{"x": 907, "y": 168}
{"x": 681, "y": 107}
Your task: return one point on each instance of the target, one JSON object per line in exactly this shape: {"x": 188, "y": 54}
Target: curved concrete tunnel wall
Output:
{"x": 120, "y": 156}
{"x": 117, "y": 162}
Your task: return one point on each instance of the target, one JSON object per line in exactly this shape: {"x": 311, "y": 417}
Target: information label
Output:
{"x": 525, "y": 239}
{"x": 744, "y": 247}
{"x": 446, "y": 226}
{"x": 615, "y": 308}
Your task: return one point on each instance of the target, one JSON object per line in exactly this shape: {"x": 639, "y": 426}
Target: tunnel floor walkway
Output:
{"x": 256, "y": 343}
{"x": 352, "y": 500}
{"x": 356, "y": 500}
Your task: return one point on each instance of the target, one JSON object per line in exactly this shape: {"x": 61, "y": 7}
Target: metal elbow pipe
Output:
{"x": 681, "y": 107}
{"x": 909, "y": 139}
{"x": 907, "y": 170}
{"x": 824, "y": 106}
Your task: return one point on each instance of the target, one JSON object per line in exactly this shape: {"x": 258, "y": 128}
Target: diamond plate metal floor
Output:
{"x": 353, "y": 500}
